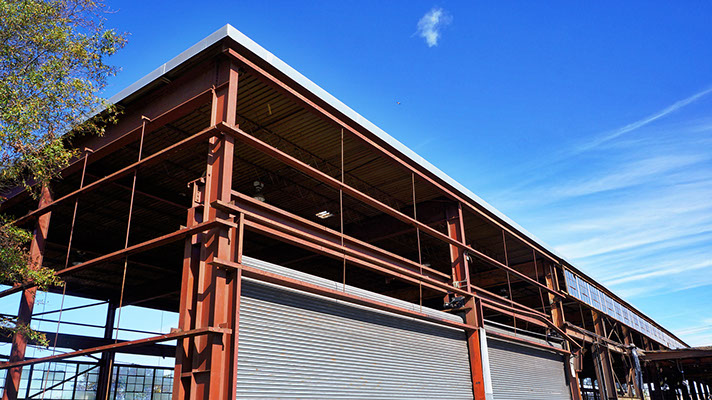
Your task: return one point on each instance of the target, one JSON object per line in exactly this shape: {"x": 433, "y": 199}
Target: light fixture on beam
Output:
{"x": 324, "y": 214}
{"x": 258, "y": 191}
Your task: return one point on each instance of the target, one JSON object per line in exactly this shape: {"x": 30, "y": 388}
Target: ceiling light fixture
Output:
{"x": 324, "y": 214}
{"x": 258, "y": 191}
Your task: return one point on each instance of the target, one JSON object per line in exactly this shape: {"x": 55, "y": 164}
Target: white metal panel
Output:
{"x": 294, "y": 345}
{"x": 526, "y": 373}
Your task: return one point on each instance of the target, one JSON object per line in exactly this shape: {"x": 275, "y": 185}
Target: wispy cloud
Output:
{"x": 645, "y": 121}
{"x": 631, "y": 207}
{"x": 431, "y": 23}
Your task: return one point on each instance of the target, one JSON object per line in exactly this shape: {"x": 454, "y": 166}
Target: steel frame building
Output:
{"x": 311, "y": 255}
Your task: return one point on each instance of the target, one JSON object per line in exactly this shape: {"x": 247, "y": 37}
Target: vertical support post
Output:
{"x": 206, "y": 365}
{"x": 604, "y": 360}
{"x": 557, "y": 316}
{"x": 456, "y": 230}
{"x": 473, "y": 308}
{"x": 106, "y": 363}
{"x": 27, "y": 301}
{"x": 187, "y": 305}
{"x": 656, "y": 392}
{"x": 633, "y": 378}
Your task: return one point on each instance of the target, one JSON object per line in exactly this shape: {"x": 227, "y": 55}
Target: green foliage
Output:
{"x": 9, "y": 326}
{"x": 15, "y": 263}
{"x": 52, "y": 68}
{"x": 52, "y": 71}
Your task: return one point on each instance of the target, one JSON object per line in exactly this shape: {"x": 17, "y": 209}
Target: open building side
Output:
{"x": 308, "y": 255}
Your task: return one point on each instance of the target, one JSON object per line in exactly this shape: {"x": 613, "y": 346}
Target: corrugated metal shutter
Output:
{"x": 526, "y": 373}
{"x": 295, "y": 345}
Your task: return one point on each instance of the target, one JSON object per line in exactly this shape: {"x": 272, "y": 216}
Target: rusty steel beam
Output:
{"x": 163, "y": 111}
{"x": 114, "y": 347}
{"x": 106, "y": 362}
{"x": 473, "y": 307}
{"x": 287, "y": 234}
{"x": 251, "y": 206}
{"x": 403, "y": 162}
{"x": 145, "y": 194}
{"x": 147, "y": 245}
{"x": 458, "y": 260}
{"x": 530, "y": 316}
{"x": 663, "y": 355}
{"x": 587, "y": 336}
{"x": 254, "y": 273}
{"x": 496, "y": 278}
{"x": 559, "y": 318}
{"x": 605, "y": 365}
{"x": 188, "y": 295}
{"x": 137, "y": 248}
{"x": 631, "y": 376}
{"x": 27, "y": 301}
{"x": 473, "y": 316}
{"x": 307, "y": 169}
{"x": 528, "y": 342}
{"x": 147, "y": 161}
{"x": 77, "y": 342}
{"x": 207, "y": 371}
{"x": 512, "y": 312}
{"x": 313, "y": 244}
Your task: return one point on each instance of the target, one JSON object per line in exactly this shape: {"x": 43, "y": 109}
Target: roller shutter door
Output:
{"x": 526, "y": 373}
{"x": 295, "y": 345}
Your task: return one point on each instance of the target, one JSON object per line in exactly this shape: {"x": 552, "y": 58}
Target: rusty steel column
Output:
{"x": 656, "y": 392}
{"x": 106, "y": 363}
{"x": 186, "y": 318}
{"x": 557, "y": 316}
{"x": 632, "y": 376}
{"x": 27, "y": 301}
{"x": 206, "y": 365}
{"x": 604, "y": 359}
{"x": 473, "y": 308}
{"x": 456, "y": 230}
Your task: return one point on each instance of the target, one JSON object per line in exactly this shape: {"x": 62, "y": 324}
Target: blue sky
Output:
{"x": 588, "y": 124}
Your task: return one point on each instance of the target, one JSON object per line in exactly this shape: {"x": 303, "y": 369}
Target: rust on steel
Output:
{"x": 274, "y": 81}
{"x": 203, "y": 364}
{"x": 220, "y": 215}
{"x": 254, "y": 273}
{"x": 27, "y": 301}
{"x": 473, "y": 306}
{"x": 148, "y": 161}
{"x": 242, "y": 203}
{"x": 116, "y": 346}
{"x": 360, "y": 196}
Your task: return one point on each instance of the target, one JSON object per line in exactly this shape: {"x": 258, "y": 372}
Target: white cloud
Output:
{"x": 645, "y": 121}
{"x": 631, "y": 207}
{"x": 431, "y": 23}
